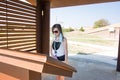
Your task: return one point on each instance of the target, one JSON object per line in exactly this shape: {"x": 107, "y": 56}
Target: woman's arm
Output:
{"x": 66, "y": 50}
{"x": 51, "y": 49}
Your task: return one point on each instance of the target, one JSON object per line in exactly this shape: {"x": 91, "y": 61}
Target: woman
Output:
{"x": 59, "y": 49}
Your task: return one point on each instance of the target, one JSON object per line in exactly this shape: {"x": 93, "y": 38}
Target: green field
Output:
{"x": 91, "y": 39}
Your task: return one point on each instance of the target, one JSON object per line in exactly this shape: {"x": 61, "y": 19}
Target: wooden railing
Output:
{"x": 13, "y": 64}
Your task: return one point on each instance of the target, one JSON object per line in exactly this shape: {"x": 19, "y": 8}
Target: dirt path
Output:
{"x": 107, "y": 51}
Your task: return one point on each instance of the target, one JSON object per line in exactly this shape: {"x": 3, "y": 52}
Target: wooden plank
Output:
{"x": 19, "y": 27}
{"x": 23, "y": 48}
{"x": 2, "y": 9}
{"x": 57, "y": 71}
{"x": 20, "y": 16}
{"x": 3, "y": 35}
{"x": 23, "y": 5}
{"x": 22, "y": 26}
{"x": 12, "y": 35}
{"x": 30, "y": 50}
{"x": 2, "y": 4}
{"x": 15, "y": 42}
{"x": 51, "y": 61}
{"x": 19, "y": 20}
{"x": 3, "y": 46}
{"x": 3, "y": 39}
{"x": 31, "y": 39}
{"x": 3, "y": 43}
{"x": 24, "y": 56}
{"x": 21, "y": 62}
{"x": 2, "y": 27}
{"x": 3, "y": 31}
{"x": 19, "y": 9}
{"x": 27, "y": 24}
{"x": 12, "y": 11}
{"x": 15, "y": 23}
{"x": 20, "y": 38}
{"x": 9, "y": 72}
{"x": 20, "y": 31}
{"x": 2, "y": 0}
{"x": 20, "y": 45}
{"x": 3, "y": 16}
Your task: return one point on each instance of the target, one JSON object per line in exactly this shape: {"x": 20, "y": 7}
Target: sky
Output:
{"x": 86, "y": 15}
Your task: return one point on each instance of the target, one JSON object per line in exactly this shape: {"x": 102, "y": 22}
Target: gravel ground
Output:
{"x": 88, "y": 69}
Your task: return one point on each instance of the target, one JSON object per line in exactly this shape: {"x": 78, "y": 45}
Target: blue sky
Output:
{"x": 86, "y": 15}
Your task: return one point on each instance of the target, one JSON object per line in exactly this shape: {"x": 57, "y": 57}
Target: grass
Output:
{"x": 91, "y": 39}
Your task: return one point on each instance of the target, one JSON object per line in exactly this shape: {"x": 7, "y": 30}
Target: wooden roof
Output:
{"x": 66, "y": 3}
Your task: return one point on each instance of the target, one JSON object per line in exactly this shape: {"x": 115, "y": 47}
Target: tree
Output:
{"x": 100, "y": 23}
{"x": 82, "y": 29}
{"x": 68, "y": 29}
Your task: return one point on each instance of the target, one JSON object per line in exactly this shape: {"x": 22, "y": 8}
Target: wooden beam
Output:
{"x": 46, "y": 27}
{"x": 43, "y": 24}
{"x": 68, "y": 3}
{"x": 38, "y": 25}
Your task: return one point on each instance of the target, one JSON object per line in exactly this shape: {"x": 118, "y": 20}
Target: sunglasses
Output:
{"x": 55, "y": 31}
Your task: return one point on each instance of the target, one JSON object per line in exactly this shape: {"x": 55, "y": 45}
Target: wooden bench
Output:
{"x": 16, "y": 65}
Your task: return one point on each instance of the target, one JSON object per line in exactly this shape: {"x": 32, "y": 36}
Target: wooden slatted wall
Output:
{"x": 17, "y": 25}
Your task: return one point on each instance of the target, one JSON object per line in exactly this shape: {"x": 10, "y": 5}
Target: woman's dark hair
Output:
{"x": 58, "y": 26}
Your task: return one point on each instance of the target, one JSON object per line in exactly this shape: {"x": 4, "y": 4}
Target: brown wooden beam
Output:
{"x": 43, "y": 24}
{"x": 34, "y": 76}
{"x": 38, "y": 25}
{"x": 45, "y": 27}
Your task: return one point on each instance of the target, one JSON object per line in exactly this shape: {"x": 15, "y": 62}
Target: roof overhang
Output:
{"x": 66, "y": 3}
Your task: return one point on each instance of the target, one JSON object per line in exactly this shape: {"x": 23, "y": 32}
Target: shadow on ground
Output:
{"x": 82, "y": 53}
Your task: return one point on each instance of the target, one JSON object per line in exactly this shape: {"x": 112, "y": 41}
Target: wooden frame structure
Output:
{"x": 65, "y": 3}
{"x": 16, "y": 65}
{"x": 25, "y": 28}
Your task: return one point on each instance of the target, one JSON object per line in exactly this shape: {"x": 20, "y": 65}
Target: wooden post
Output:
{"x": 118, "y": 59}
{"x": 43, "y": 24}
{"x": 45, "y": 27}
{"x": 34, "y": 76}
{"x": 38, "y": 25}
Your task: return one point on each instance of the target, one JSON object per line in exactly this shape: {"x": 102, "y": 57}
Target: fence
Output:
{"x": 17, "y": 25}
